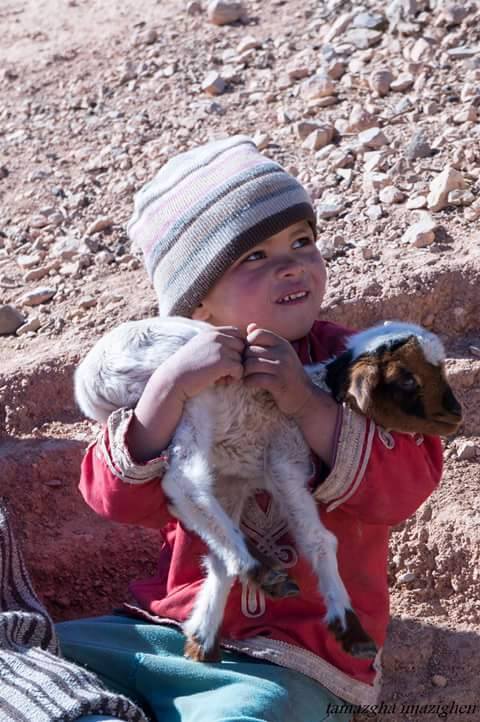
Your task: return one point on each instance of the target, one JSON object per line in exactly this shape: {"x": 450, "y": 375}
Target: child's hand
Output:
{"x": 208, "y": 358}
{"x": 205, "y": 360}
{"x": 272, "y": 364}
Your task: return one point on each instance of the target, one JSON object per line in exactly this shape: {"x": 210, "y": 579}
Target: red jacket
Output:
{"x": 378, "y": 480}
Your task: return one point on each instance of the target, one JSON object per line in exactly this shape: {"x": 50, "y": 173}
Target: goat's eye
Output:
{"x": 407, "y": 382}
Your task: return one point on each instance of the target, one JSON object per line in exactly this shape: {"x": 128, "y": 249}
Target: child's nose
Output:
{"x": 290, "y": 267}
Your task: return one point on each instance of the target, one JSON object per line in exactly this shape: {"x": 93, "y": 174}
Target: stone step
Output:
{"x": 80, "y": 563}
{"x": 445, "y": 300}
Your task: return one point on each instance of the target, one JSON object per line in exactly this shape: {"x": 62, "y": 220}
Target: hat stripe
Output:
{"x": 210, "y": 213}
{"x": 179, "y": 171}
{"x": 158, "y": 223}
{"x": 240, "y": 221}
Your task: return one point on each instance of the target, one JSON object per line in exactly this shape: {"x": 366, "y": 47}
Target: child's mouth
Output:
{"x": 294, "y": 298}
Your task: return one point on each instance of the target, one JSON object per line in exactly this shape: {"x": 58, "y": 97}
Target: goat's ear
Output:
{"x": 364, "y": 377}
{"x": 338, "y": 374}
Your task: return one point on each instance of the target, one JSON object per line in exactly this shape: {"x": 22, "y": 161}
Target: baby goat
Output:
{"x": 233, "y": 440}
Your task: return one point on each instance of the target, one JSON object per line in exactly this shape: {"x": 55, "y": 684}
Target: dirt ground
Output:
{"x": 94, "y": 96}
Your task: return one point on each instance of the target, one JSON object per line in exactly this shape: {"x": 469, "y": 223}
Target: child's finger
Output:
{"x": 256, "y": 351}
{"x": 262, "y": 336}
{"x": 232, "y": 331}
{"x": 264, "y": 365}
{"x": 234, "y": 343}
{"x": 235, "y": 368}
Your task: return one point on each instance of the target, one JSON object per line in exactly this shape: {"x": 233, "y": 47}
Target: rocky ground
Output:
{"x": 375, "y": 108}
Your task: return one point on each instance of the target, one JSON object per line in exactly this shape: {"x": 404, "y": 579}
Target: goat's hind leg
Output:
{"x": 319, "y": 546}
{"x": 203, "y": 625}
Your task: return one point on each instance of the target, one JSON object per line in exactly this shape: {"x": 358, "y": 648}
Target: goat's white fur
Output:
{"x": 229, "y": 442}
{"x": 372, "y": 338}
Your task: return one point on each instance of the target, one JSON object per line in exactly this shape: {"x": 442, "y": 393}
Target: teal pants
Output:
{"x": 146, "y": 662}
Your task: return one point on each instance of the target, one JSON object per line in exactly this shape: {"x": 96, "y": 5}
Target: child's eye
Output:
{"x": 250, "y": 256}
{"x": 305, "y": 241}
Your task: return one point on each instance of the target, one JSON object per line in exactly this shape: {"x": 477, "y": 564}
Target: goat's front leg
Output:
{"x": 319, "y": 547}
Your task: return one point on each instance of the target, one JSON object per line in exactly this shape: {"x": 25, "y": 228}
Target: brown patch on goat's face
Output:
{"x": 402, "y": 391}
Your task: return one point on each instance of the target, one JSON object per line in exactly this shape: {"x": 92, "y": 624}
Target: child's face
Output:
{"x": 251, "y": 289}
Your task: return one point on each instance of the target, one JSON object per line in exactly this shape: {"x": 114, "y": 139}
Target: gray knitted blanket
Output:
{"x": 36, "y": 683}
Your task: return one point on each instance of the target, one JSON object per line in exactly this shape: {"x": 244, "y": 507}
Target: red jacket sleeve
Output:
{"x": 118, "y": 488}
{"x": 377, "y": 476}
{"x": 380, "y": 477}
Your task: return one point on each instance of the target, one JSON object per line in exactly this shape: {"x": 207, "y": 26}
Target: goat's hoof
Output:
{"x": 195, "y": 651}
{"x": 274, "y": 582}
{"x": 281, "y": 588}
{"x": 352, "y": 637}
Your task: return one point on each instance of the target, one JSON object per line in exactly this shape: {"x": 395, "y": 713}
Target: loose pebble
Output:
{"x": 406, "y": 578}
{"x": 448, "y": 180}
{"x": 467, "y": 450}
{"x": 38, "y": 296}
{"x": 225, "y": 12}
{"x": 213, "y": 83}
{"x": 422, "y": 233}
{"x": 99, "y": 224}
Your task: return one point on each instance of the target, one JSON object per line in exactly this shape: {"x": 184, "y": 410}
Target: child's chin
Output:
{"x": 295, "y": 328}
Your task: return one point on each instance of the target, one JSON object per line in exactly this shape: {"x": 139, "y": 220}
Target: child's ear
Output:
{"x": 200, "y": 313}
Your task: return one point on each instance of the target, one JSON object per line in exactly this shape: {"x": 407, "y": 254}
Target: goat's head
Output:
{"x": 395, "y": 374}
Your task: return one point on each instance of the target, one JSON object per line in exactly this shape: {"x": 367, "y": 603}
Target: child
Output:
{"x": 227, "y": 237}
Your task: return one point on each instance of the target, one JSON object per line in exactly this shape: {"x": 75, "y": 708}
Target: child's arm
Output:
{"x": 116, "y": 486}
{"x": 377, "y": 476}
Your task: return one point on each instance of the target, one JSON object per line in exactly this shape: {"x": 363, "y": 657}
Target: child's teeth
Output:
{"x": 293, "y": 297}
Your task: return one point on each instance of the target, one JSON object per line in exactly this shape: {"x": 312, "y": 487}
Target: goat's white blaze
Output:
{"x": 370, "y": 340}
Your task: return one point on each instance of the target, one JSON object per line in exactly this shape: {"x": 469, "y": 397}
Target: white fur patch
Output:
{"x": 370, "y": 340}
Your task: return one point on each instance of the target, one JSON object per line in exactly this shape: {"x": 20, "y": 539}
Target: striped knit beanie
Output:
{"x": 203, "y": 210}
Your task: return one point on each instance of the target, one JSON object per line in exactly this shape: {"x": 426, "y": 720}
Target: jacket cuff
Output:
{"x": 353, "y": 451}
{"x": 117, "y": 456}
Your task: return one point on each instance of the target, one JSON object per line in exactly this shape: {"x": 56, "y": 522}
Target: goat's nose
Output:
{"x": 451, "y": 403}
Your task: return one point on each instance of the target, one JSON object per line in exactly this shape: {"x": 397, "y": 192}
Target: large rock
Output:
{"x": 380, "y": 81}
{"x": 373, "y": 138}
{"x": 363, "y": 38}
{"x": 213, "y": 83}
{"x": 321, "y": 136}
{"x": 418, "y": 147}
{"x": 10, "y": 319}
